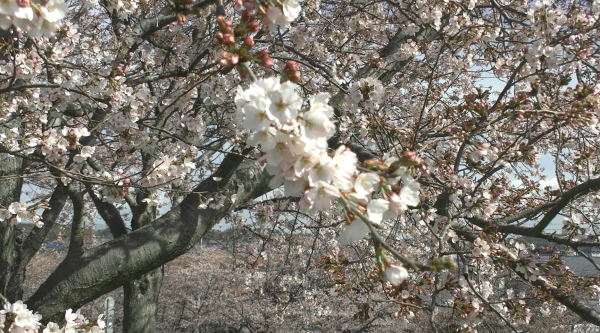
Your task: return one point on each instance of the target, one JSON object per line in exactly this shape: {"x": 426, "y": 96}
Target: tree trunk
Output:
{"x": 11, "y": 236}
{"x": 140, "y": 295}
{"x": 141, "y": 303}
{"x": 16, "y": 249}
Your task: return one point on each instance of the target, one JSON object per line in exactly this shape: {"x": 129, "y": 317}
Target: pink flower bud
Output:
{"x": 228, "y": 39}
{"x": 268, "y": 63}
{"x": 252, "y": 27}
{"x": 291, "y": 66}
{"x": 290, "y": 72}
{"x": 262, "y": 53}
{"x": 247, "y": 16}
{"x": 410, "y": 158}
{"x": 250, "y": 5}
{"x": 248, "y": 42}
{"x": 295, "y": 78}
{"x": 221, "y": 21}
{"x": 234, "y": 59}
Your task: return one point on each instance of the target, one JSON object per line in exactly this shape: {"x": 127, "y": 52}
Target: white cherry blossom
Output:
{"x": 354, "y": 232}
{"x": 322, "y": 195}
{"x": 375, "y": 210}
{"x": 409, "y": 194}
{"x": 366, "y": 183}
{"x": 396, "y": 274}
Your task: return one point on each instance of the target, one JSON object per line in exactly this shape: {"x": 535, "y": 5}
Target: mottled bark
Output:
{"x": 140, "y": 295}
{"x": 141, "y": 302}
{"x": 11, "y": 237}
{"x": 10, "y": 191}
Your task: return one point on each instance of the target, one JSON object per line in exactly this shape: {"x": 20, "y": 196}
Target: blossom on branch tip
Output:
{"x": 323, "y": 171}
{"x": 345, "y": 162}
{"x": 409, "y": 194}
{"x": 285, "y": 103}
{"x": 366, "y": 183}
{"x": 36, "y": 18}
{"x": 396, "y": 274}
{"x": 375, "y": 210}
{"x": 86, "y": 151}
{"x": 283, "y": 15}
{"x": 323, "y": 194}
{"x": 19, "y": 210}
{"x": 265, "y": 138}
{"x": 354, "y": 232}
{"x": 294, "y": 151}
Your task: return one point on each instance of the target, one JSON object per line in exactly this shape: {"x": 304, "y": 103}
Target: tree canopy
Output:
{"x": 426, "y": 145}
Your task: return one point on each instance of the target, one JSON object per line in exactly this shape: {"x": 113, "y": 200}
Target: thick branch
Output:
{"x": 585, "y": 312}
{"x": 166, "y": 16}
{"x": 526, "y": 213}
{"x": 529, "y": 232}
{"x": 110, "y": 214}
{"x": 567, "y": 197}
{"x": 36, "y": 236}
{"x": 110, "y": 265}
{"x": 362, "y": 153}
{"x": 77, "y": 225}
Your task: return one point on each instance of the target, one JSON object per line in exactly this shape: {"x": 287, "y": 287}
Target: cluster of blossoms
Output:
{"x": 213, "y": 91}
{"x": 11, "y": 139}
{"x": 514, "y": 308}
{"x": 18, "y": 211}
{"x": 366, "y": 93}
{"x": 123, "y": 8}
{"x": 484, "y": 150}
{"x": 236, "y": 56}
{"x": 16, "y": 318}
{"x": 194, "y": 127}
{"x": 293, "y": 141}
{"x": 274, "y": 13}
{"x": 529, "y": 269}
{"x": 408, "y": 50}
{"x": 481, "y": 248}
{"x": 56, "y": 144}
{"x": 167, "y": 169}
{"x": 37, "y": 18}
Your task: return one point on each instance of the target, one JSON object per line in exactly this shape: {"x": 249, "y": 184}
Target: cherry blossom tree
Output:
{"x": 419, "y": 141}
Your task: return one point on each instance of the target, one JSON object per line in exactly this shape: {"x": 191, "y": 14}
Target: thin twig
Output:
{"x": 378, "y": 239}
